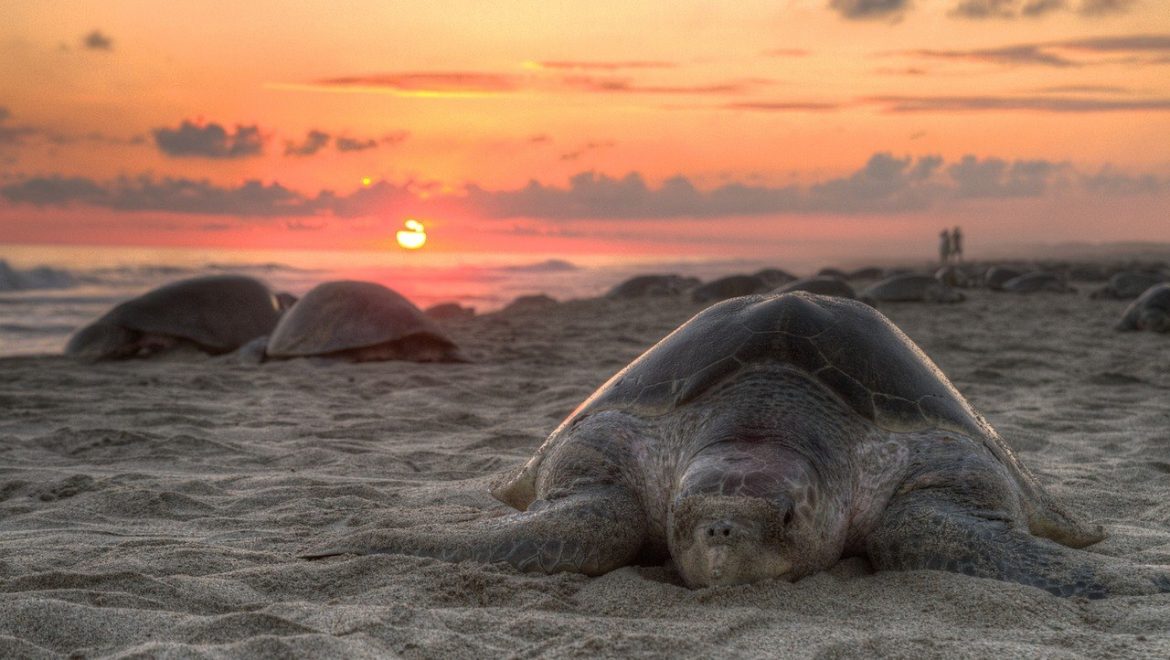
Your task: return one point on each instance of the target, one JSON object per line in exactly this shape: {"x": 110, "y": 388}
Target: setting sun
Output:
{"x": 414, "y": 236}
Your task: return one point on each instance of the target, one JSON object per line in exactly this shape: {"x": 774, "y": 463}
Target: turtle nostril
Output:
{"x": 710, "y": 532}
{"x": 726, "y": 532}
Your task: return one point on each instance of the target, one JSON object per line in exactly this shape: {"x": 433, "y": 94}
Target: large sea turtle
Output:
{"x": 1151, "y": 311}
{"x": 1128, "y": 285}
{"x": 768, "y": 437}
{"x": 911, "y": 287}
{"x": 359, "y": 321}
{"x": 216, "y": 314}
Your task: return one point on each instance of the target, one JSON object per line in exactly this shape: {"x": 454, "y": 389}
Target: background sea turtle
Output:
{"x": 912, "y": 287}
{"x": 729, "y": 287}
{"x": 1037, "y": 281}
{"x": 1128, "y": 285}
{"x": 642, "y": 286}
{"x": 359, "y": 321}
{"x": 825, "y": 286}
{"x": 216, "y": 314}
{"x": 768, "y": 437}
{"x": 1151, "y": 311}
{"x": 774, "y": 277}
{"x": 996, "y": 276}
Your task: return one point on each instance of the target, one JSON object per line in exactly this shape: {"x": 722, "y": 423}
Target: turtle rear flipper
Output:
{"x": 592, "y": 531}
{"x": 936, "y": 529}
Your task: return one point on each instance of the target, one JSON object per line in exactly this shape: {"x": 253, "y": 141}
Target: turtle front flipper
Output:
{"x": 936, "y": 529}
{"x": 591, "y": 531}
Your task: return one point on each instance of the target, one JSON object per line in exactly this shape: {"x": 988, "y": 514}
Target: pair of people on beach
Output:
{"x": 950, "y": 246}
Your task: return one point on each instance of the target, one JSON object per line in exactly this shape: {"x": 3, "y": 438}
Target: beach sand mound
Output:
{"x": 155, "y": 508}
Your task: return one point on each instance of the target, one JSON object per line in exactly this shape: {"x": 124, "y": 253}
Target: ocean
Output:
{"x": 48, "y": 292}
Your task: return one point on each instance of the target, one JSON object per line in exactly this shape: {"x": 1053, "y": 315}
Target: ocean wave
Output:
{"x": 40, "y": 277}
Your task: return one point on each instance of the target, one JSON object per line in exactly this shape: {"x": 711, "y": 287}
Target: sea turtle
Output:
{"x": 1151, "y": 311}
{"x": 996, "y": 276}
{"x": 449, "y": 311}
{"x": 953, "y": 276}
{"x": 768, "y": 437}
{"x": 729, "y": 287}
{"x": 774, "y": 277}
{"x": 867, "y": 273}
{"x": 643, "y": 286}
{"x": 216, "y": 314}
{"x": 912, "y": 287}
{"x": 833, "y": 272}
{"x": 1037, "y": 281}
{"x": 825, "y": 286}
{"x": 359, "y": 321}
{"x": 1128, "y": 285}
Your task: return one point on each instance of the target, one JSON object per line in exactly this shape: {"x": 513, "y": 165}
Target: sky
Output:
{"x": 683, "y": 128}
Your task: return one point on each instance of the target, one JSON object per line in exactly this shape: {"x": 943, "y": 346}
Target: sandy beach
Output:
{"x": 155, "y": 508}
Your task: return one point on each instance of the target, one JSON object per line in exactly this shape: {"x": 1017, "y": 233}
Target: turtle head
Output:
{"x": 721, "y": 540}
{"x": 102, "y": 341}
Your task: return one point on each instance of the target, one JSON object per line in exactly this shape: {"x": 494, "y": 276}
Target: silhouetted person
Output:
{"x": 944, "y": 247}
{"x": 957, "y": 244}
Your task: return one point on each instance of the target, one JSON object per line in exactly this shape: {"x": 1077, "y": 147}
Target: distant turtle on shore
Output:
{"x": 1037, "y": 281}
{"x": 996, "y": 276}
{"x": 768, "y": 437}
{"x": 867, "y": 273}
{"x": 953, "y": 276}
{"x": 911, "y": 287}
{"x": 825, "y": 286}
{"x": 359, "y": 322}
{"x": 449, "y": 311}
{"x": 729, "y": 287}
{"x": 215, "y": 314}
{"x": 643, "y": 286}
{"x": 1128, "y": 284}
{"x": 774, "y": 277}
{"x": 1151, "y": 311}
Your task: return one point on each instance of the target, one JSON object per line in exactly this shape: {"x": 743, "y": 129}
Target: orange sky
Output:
{"x": 679, "y": 127}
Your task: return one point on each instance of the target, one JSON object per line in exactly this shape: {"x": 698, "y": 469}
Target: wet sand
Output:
{"x": 155, "y": 508}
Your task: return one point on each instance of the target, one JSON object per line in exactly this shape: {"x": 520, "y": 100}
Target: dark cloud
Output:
{"x": 588, "y": 146}
{"x": 1085, "y": 89}
{"x": 55, "y": 191}
{"x": 610, "y": 85}
{"x": 355, "y": 144}
{"x": 1104, "y": 7}
{"x": 1136, "y": 49}
{"x": 605, "y": 66}
{"x": 12, "y": 135}
{"x": 994, "y": 177}
{"x": 315, "y": 141}
{"x": 1059, "y": 104}
{"x": 1110, "y": 181}
{"x": 1011, "y": 9}
{"x": 438, "y": 82}
{"x": 784, "y": 106}
{"x": 208, "y": 141}
{"x": 868, "y": 10}
{"x": 1128, "y": 44}
{"x": 1009, "y": 55}
{"x": 885, "y": 184}
{"x": 97, "y": 41}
